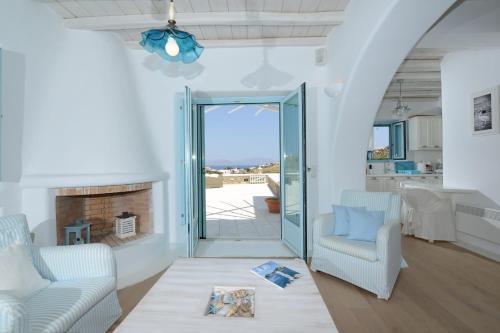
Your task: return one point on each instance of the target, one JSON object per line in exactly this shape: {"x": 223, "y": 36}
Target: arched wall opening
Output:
{"x": 365, "y": 53}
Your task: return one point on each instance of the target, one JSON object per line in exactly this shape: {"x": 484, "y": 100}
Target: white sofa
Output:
{"x": 373, "y": 266}
{"x": 81, "y": 297}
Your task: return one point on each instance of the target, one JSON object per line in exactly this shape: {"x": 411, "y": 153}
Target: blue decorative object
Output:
{"x": 364, "y": 225}
{"x": 342, "y": 219}
{"x": 155, "y": 40}
{"x": 402, "y": 166}
{"x": 77, "y": 229}
{"x": 170, "y": 43}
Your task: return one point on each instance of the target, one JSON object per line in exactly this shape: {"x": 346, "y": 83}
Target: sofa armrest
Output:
{"x": 13, "y": 314}
{"x": 59, "y": 263}
{"x": 389, "y": 245}
{"x": 323, "y": 225}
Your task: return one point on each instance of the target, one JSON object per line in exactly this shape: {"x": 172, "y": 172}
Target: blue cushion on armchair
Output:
{"x": 342, "y": 215}
{"x": 364, "y": 225}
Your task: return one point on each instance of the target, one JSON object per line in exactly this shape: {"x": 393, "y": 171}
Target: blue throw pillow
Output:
{"x": 342, "y": 219}
{"x": 364, "y": 225}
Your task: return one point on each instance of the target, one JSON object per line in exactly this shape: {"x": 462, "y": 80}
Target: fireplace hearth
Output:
{"x": 102, "y": 207}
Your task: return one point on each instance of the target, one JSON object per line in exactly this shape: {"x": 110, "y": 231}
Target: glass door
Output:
{"x": 192, "y": 172}
{"x": 293, "y": 172}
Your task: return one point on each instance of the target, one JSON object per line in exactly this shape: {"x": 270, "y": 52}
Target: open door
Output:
{"x": 293, "y": 172}
{"x": 192, "y": 172}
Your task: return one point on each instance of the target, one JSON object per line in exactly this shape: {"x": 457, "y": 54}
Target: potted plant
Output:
{"x": 273, "y": 205}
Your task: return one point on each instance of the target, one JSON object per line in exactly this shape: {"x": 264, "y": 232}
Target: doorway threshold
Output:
{"x": 234, "y": 248}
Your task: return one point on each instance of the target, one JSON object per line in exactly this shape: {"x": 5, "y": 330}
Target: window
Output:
{"x": 398, "y": 141}
{"x": 380, "y": 147}
{"x": 388, "y": 142}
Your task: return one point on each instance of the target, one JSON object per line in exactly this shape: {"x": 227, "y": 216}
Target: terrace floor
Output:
{"x": 238, "y": 211}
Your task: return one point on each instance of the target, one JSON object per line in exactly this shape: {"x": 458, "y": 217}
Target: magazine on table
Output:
{"x": 277, "y": 274}
{"x": 231, "y": 302}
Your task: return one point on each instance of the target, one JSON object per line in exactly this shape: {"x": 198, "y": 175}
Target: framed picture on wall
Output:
{"x": 485, "y": 105}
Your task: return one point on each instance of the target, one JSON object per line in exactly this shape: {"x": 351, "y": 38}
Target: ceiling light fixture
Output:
{"x": 401, "y": 109}
{"x": 170, "y": 43}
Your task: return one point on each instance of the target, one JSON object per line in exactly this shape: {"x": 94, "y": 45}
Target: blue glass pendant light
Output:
{"x": 170, "y": 43}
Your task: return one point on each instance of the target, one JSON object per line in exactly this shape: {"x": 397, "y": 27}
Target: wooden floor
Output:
{"x": 445, "y": 289}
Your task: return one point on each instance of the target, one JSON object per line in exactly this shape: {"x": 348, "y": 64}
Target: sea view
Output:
{"x": 222, "y": 167}
{"x": 239, "y": 166}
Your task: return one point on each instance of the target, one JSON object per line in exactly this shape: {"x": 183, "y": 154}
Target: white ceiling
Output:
{"x": 468, "y": 24}
{"x": 214, "y": 22}
{"x": 237, "y": 23}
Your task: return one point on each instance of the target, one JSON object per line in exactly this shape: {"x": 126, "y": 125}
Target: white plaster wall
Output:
{"x": 80, "y": 110}
{"x": 72, "y": 117}
{"x": 70, "y": 109}
{"x": 223, "y": 72}
{"x": 471, "y": 161}
{"x": 365, "y": 52}
{"x": 10, "y": 198}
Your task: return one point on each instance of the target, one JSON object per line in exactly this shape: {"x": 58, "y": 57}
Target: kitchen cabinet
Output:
{"x": 382, "y": 183}
{"x": 425, "y": 133}
{"x": 391, "y": 183}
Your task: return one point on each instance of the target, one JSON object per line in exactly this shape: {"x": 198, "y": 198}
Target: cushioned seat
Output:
{"x": 355, "y": 248}
{"x": 81, "y": 297}
{"x": 373, "y": 266}
{"x": 68, "y": 301}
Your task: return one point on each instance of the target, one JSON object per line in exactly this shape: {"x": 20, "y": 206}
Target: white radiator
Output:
{"x": 125, "y": 227}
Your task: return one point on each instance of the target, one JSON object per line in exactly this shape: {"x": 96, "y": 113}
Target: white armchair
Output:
{"x": 371, "y": 266}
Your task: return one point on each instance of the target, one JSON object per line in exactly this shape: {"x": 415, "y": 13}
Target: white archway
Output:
{"x": 365, "y": 53}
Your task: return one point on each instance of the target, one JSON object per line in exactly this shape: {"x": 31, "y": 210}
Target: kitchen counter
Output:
{"x": 405, "y": 175}
{"x": 390, "y": 182}
{"x": 436, "y": 188}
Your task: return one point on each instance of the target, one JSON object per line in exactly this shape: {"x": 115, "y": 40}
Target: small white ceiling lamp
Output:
{"x": 334, "y": 89}
{"x": 401, "y": 109}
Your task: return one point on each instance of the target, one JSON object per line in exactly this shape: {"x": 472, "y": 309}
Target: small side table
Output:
{"x": 77, "y": 229}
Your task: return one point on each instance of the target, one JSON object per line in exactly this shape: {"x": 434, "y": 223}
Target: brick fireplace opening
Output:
{"x": 100, "y": 206}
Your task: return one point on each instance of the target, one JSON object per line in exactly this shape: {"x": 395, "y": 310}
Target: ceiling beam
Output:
{"x": 423, "y": 76}
{"x": 420, "y": 66}
{"x": 413, "y": 94}
{"x": 228, "y": 43}
{"x": 427, "y": 54}
{"x": 435, "y": 85}
{"x": 414, "y": 99}
{"x": 211, "y": 18}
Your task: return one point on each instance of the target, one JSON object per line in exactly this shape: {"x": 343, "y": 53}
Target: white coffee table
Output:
{"x": 177, "y": 302}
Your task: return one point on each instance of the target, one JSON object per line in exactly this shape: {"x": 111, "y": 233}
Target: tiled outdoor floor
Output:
{"x": 238, "y": 211}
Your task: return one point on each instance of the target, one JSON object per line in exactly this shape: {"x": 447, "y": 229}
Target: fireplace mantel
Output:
{"x": 83, "y": 180}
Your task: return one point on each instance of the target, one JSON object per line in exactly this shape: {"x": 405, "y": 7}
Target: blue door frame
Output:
{"x": 197, "y": 108}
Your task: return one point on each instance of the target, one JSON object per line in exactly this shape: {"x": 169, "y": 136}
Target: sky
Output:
{"x": 241, "y": 137}
{"x": 380, "y": 137}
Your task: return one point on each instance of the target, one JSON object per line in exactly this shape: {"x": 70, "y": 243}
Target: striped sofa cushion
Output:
{"x": 58, "y": 307}
{"x": 14, "y": 228}
{"x": 360, "y": 249}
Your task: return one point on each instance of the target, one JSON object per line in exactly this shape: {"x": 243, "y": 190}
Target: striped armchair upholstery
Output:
{"x": 374, "y": 267}
{"x": 81, "y": 297}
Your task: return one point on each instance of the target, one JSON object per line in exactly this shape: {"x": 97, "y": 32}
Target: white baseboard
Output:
{"x": 480, "y": 246}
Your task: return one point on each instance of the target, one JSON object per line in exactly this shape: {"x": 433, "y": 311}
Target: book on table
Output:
{"x": 277, "y": 274}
